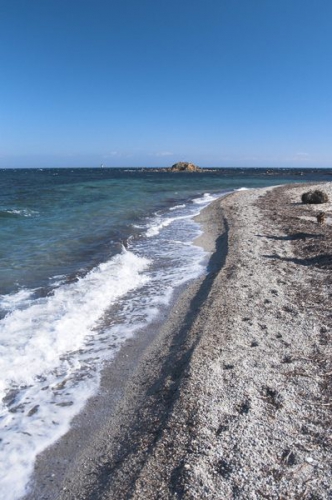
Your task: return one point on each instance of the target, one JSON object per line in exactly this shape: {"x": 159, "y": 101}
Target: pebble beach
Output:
{"x": 228, "y": 396}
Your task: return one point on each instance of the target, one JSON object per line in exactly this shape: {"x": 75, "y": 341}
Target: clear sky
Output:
{"x": 151, "y": 82}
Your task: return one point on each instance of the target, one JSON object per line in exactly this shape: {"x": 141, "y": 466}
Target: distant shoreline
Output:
{"x": 297, "y": 170}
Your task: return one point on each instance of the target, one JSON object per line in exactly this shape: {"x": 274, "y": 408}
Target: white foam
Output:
{"x": 205, "y": 199}
{"x": 40, "y": 347}
{"x": 242, "y": 189}
{"x": 22, "y": 212}
{"x": 58, "y": 280}
{"x": 15, "y": 300}
{"x": 157, "y": 225}
{"x": 177, "y": 207}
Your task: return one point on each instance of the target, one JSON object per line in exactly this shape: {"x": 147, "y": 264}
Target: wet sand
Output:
{"x": 228, "y": 396}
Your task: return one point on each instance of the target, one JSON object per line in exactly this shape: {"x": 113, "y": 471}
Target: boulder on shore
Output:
{"x": 314, "y": 197}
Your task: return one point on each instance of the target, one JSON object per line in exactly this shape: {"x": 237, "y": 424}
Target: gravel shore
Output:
{"x": 230, "y": 397}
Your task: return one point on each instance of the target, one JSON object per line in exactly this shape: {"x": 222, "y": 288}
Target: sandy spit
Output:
{"x": 232, "y": 397}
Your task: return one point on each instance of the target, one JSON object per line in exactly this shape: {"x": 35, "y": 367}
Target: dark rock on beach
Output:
{"x": 315, "y": 197}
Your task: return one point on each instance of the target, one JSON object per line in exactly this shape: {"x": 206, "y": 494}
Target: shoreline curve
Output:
{"x": 228, "y": 400}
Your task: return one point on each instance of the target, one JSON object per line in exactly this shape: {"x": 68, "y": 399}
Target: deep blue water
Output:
{"x": 88, "y": 258}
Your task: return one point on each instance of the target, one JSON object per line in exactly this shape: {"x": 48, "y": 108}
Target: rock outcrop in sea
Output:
{"x": 181, "y": 166}
{"x": 184, "y": 166}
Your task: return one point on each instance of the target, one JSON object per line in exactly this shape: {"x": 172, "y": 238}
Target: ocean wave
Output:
{"x": 17, "y": 300}
{"x": 13, "y": 212}
{"x": 58, "y": 280}
{"x": 41, "y": 348}
{"x": 205, "y": 199}
{"x": 177, "y": 207}
{"x": 157, "y": 225}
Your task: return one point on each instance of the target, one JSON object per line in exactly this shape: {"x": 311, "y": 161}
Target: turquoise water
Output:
{"x": 88, "y": 257}
{"x": 63, "y": 221}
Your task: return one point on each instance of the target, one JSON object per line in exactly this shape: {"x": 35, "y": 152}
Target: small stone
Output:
{"x": 33, "y": 411}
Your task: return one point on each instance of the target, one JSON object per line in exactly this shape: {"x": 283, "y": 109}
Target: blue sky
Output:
{"x": 151, "y": 82}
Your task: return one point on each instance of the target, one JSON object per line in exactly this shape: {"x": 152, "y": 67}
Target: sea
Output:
{"x": 89, "y": 257}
